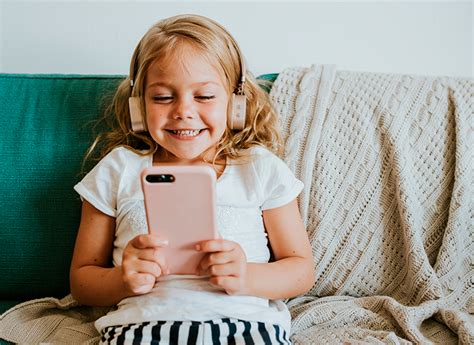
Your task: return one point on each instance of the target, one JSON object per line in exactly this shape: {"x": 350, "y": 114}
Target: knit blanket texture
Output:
{"x": 387, "y": 162}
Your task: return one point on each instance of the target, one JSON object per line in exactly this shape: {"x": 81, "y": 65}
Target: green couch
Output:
{"x": 46, "y": 127}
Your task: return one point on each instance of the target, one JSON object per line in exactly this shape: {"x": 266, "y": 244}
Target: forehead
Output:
{"x": 185, "y": 61}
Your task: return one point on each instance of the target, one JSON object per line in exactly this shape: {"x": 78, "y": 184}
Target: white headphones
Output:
{"x": 236, "y": 117}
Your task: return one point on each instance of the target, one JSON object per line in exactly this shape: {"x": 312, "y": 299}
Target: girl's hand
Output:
{"x": 142, "y": 263}
{"x": 225, "y": 263}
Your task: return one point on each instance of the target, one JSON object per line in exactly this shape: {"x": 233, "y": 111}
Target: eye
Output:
{"x": 205, "y": 98}
{"x": 162, "y": 99}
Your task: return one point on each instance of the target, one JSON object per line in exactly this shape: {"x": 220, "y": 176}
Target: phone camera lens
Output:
{"x": 160, "y": 178}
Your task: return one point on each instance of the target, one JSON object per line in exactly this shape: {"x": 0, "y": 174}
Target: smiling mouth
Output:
{"x": 186, "y": 132}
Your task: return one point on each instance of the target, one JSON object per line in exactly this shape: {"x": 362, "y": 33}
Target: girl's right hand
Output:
{"x": 143, "y": 262}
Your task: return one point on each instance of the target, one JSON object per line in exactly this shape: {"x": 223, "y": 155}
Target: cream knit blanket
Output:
{"x": 387, "y": 161}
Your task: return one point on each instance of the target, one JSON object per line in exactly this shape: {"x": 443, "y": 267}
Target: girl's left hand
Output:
{"x": 225, "y": 263}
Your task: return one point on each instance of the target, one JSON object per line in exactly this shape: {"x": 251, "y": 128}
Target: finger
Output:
{"x": 143, "y": 266}
{"x": 227, "y": 283}
{"x": 224, "y": 270}
{"x": 219, "y": 245}
{"x": 148, "y": 241}
{"x": 218, "y": 258}
{"x": 163, "y": 266}
{"x": 150, "y": 254}
{"x": 158, "y": 256}
{"x": 141, "y": 283}
{"x": 143, "y": 279}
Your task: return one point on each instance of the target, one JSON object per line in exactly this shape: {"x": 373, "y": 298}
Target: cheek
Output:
{"x": 218, "y": 122}
{"x": 219, "y": 115}
{"x": 153, "y": 117}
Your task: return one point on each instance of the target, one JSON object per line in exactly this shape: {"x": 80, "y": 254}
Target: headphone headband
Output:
{"x": 133, "y": 66}
{"x": 243, "y": 70}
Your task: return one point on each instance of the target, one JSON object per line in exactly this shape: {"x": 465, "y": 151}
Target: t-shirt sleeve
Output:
{"x": 280, "y": 186}
{"x": 100, "y": 186}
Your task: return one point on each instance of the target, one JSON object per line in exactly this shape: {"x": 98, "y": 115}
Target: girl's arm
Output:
{"x": 292, "y": 272}
{"x": 93, "y": 280}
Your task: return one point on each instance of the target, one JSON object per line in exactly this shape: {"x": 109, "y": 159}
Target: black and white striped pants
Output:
{"x": 222, "y": 331}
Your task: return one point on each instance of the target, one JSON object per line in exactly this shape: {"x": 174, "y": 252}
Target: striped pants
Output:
{"x": 223, "y": 331}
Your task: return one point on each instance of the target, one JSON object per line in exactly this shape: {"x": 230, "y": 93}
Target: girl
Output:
{"x": 186, "y": 75}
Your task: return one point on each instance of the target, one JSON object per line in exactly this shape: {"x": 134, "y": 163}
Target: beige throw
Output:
{"x": 387, "y": 162}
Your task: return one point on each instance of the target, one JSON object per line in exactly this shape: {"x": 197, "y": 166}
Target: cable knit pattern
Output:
{"x": 307, "y": 97}
{"x": 387, "y": 161}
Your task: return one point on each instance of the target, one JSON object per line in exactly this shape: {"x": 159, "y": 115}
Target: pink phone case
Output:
{"x": 180, "y": 205}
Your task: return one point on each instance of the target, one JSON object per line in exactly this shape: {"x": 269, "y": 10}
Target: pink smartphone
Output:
{"x": 180, "y": 204}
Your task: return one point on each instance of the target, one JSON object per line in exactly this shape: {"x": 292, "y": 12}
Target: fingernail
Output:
{"x": 198, "y": 247}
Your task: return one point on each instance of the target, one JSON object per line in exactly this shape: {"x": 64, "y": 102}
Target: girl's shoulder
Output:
{"x": 262, "y": 156}
{"x": 275, "y": 181}
{"x": 121, "y": 159}
{"x": 260, "y": 150}
{"x": 263, "y": 163}
{"x": 124, "y": 154}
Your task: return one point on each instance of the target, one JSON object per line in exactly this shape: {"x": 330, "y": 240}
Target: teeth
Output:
{"x": 187, "y": 133}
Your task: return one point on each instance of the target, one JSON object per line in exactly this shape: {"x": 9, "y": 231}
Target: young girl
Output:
{"x": 187, "y": 76}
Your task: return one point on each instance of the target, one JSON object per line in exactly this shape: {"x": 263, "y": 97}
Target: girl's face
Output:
{"x": 186, "y": 105}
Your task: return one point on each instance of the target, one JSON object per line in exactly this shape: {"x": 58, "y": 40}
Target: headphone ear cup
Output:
{"x": 238, "y": 112}
{"x": 136, "y": 116}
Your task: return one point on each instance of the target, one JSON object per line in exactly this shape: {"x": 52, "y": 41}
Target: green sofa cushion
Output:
{"x": 46, "y": 129}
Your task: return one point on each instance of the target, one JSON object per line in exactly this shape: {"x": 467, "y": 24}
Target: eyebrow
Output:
{"x": 203, "y": 83}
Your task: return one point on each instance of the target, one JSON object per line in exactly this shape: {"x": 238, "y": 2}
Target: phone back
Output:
{"x": 180, "y": 207}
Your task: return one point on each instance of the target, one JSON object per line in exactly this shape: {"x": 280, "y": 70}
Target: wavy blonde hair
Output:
{"x": 221, "y": 50}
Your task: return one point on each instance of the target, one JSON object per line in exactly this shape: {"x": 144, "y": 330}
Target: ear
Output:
{"x": 236, "y": 116}
{"x": 136, "y": 116}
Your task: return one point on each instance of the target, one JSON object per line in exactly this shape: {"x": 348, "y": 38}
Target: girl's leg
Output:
{"x": 279, "y": 335}
{"x": 154, "y": 333}
{"x": 224, "y": 331}
{"x": 232, "y": 331}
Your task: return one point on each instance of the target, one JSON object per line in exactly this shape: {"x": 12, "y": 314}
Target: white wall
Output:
{"x": 98, "y": 37}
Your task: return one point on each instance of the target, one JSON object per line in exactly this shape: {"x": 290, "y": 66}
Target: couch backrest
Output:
{"x": 46, "y": 128}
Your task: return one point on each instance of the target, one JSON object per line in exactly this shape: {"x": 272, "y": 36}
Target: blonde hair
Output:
{"x": 220, "y": 48}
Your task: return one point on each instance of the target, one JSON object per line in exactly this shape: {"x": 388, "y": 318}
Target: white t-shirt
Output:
{"x": 243, "y": 191}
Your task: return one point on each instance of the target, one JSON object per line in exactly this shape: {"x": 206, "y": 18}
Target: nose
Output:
{"x": 184, "y": 109}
